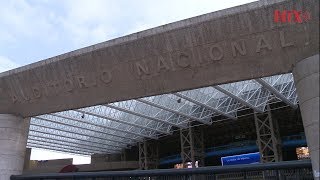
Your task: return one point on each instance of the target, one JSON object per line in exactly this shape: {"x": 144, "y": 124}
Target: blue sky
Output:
{"x": 38, "y": 29}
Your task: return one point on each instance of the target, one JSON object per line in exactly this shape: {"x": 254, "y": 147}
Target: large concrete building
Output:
{"x": 190, "y": 77}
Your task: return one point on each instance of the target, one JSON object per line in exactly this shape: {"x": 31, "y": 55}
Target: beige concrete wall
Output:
{"x": 225, "y": 46}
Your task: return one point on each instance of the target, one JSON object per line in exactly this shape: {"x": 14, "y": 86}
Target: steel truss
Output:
{"x": 235, "y": 96}
{"x": 112, "y": 127}
{"x": 75, "y": 145}
{"x": 129, "y": 123}
{"x": 35, "y": 142}
{"x": 148, "y": 155}
{"x": 268, "y": 137}
{"x": 173, "y": 111}
{"x": 72, "y": 139}
{"x": 172, "y": 108}
{"x": 284, "y": 88}
{"x": 39, "y": 144}
{"x": 98, "y": 126}
{"x": 192, "y": 146}
{"x": 144, "y": 116}
{"x": 87, "y": 131}
{"x": 57, "y": 136}
{"x": 205, "y": 105}
{"x": 149, "y": 132}
{"x": 48, "y": 129}
{"x": 30, "y": 145}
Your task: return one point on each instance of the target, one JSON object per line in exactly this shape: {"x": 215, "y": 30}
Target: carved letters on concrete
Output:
{"x": 147, "y": 67}
{"x": 205, "y": 54}
{"x": 67, "y": 85}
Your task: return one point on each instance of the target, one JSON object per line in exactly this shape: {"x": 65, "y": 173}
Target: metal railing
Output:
{"x": 280, "y": 170}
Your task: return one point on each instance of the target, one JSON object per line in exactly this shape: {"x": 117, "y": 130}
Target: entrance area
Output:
{"x": 228, "y": 88}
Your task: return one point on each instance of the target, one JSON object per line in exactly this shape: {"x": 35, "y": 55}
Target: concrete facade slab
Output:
{"x": 13, "y": 141}
{"x": 230, "y": 45}
{"x": 236, "y": 44}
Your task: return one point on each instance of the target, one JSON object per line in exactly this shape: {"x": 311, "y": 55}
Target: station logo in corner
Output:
{"x": 291, "y": 16}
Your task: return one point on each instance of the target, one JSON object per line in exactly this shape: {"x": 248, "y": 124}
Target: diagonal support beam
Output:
{"x": 205, "y": 105}
{"x": 276, "y": 92}
{"x": 173, "y": 111}
{"x": 144, "y": 116}
{"x": 237, "y": 98}
{"x": 93, "y": 124}
{"x": 125, "y": 122}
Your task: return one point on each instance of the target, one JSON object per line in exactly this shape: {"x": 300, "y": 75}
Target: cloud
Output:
{"x": 88, "y": 22}
{"x": 83, "y": 22}
{"x": 21, "y": 19}
{"x": 42, "y": 29}
{"x": 7, "y": 64}
{"x": 156, "y": 13}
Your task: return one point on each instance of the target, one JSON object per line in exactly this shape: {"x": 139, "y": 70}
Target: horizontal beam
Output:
{"x": 70, "y": 142}
{"x": 93, "y": 124}
{"x": 237, "y": 98}
{"x": 119, "y": 121}
{"x": 46, "y": 144}
{"x": 204, "y": 105}
{"x": 173, "y": 111}
{"x": 31, "y": 145}
{"x": 98, "y": 137}
{"x": 71, "y": 132}
{"x": 276, "y": 92}
{"x": 77, "y": 139}
{"x": 59, "y": 147}
{"x": 144, "y": 116}
{"x": 72, "y": 145}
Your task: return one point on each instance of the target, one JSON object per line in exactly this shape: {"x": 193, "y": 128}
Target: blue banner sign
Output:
{"x": 249, "y": 158}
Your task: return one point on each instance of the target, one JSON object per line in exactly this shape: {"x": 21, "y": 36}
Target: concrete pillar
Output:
{"x": 13, "y": 140}
{"x": 27, "y": 159}
{"x": 306, "y": 76}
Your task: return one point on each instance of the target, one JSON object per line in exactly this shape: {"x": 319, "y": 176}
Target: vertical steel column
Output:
{"x": 123, "y": 155}
{"x": 192, "y": 146}
{"x": 268, "y": 137}
{"x": 141, "y": 155}
{"x": 148, "y": 155}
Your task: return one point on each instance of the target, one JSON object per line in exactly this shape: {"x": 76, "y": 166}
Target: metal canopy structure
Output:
{"x": 110, "y": 128}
